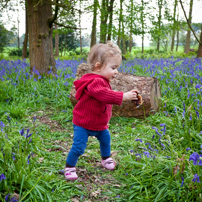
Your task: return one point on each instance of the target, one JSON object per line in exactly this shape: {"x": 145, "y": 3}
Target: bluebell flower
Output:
{"x": 13, "y": 156}
{"x": 139, "y": 140}
{"x": 7, "y": 197}
{"x": 194, "y": 157}
{"x": 131, "y": 151}
{"x": 2, "y": 124}
{"x": 149, "y": 146}
{"x": 147, "y": 154}
{"x": 30, "y": 141}
{"x": 187, "y": 149}
{"x": 22, "y": 132}
{"x": 138, "y": 155}
{"x": 190, "y": 118}
{"x": 2, "y": 177}
{"x": 182, "y": 181}
{"x": 196, "y": 178}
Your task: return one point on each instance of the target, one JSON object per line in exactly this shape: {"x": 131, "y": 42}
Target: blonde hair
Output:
{"x": 101, "y": 52}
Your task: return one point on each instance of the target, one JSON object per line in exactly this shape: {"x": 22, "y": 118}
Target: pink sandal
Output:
{"x": 70, "y": 174}
{"x": 108, "y": 163}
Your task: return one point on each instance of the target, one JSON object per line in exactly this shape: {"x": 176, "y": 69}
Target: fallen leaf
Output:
{"x": 113, "y": 153}
{"x": 17, "y": 196}
{"x": 75, "y": 200}
{"x": 96, "y": 193}
{"x": 41, "y": 159}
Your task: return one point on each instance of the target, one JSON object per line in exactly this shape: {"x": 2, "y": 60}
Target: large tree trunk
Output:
{"x": 24, "y": 50}
{"x": 40, "y": 36}
{"x": 174, "y": 26}
{"x": 148, "y": 88}
{"x": 56, "y": 41}
{"x": 199, "y": 54}
{"x": 93, "y": 33}
{"x": 187, "y": 46}
{"x": 110, "y": 11}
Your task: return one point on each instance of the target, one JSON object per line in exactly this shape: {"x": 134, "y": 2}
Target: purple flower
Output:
{"x": 139, "y": 140}
{"x": 131, "y": 151}
{"x": 147, "y": 154}
{"x": 196, "y": 178}
{"x": 34, "y": 119}
{"x": 2, "y": 177}
{"x": 2, "y": 124}
{"x": 156, "y": 130}
{"x": 190, "y": 118}
{"x": 164, "y": 128}
{"x": 182, "y": 181}
{"x": 187, "y": 149}
{"x": 22, "y": 132}
{"x": 138, "y": 155}
{"x": 197, "y": 113}
{"x": 118, "y": 196}
{"x": 194, "y": 157}
{"x": 126, "y": 174}
{"x": 149, "y": 146}
{"x": 13, "y": 156}
{"x": 30, "y": 140}
{"x": 7, "y": 197}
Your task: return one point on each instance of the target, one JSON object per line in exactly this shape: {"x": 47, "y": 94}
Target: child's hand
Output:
{"x": 131, "y": 95}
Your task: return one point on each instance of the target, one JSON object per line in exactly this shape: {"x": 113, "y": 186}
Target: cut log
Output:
{"x": 148, "y": 88}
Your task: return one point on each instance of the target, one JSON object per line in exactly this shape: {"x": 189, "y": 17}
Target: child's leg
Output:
{"x": 105, "y": 145}
{"x": 79, "y": 145}
{"x": 105, "y": 149}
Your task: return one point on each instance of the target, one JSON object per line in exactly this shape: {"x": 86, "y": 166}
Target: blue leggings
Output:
{"x": 80, "y": 143}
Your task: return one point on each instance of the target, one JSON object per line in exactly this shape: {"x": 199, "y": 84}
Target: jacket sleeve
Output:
{"x": 100, "y": 90}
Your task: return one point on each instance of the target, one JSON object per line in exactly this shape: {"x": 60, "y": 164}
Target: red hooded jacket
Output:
{"x": 95, "y": 100}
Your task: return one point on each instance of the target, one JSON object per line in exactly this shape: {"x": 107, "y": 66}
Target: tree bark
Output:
{"x": 199, "y": 53}
{"x": 123, "y": 38}
{"x": 187, "y": 46}
{"x": 24, "y": 50}
{"x": 93, "y": 32}
{"x": 159, "y": 23}
{"x": 110, "y": 11}
{"x": 174, "y": 28}
{"x": 131, "y": 26}
{"x": 142, "y": 24}
{"x": 103, "y": 21}
{"x": 148, "y": 88}
{"x": 56, "y": 41}
{"x": 120, "y": 20}
{"x": 40, "y": 36}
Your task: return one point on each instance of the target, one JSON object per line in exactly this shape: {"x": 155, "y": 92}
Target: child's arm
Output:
{"x": 131, "y": 95}
{"x": 100, "y": 91}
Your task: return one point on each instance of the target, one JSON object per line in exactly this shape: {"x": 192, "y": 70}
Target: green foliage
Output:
{"x": 4, "y": 37}
{"x": 43, "y": 107}
{"x": 17, "y": 52}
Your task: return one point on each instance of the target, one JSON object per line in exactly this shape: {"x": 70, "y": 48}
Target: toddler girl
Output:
{"x": 93, "y": 111}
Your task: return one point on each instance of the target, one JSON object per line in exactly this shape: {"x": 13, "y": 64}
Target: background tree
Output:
{"x": 94, "y": 23}
{"x": 24, "y": 50}
{"x": 187, "y": 46}
{"x": 4, "y": 37}
{"x": 174, "y": 26}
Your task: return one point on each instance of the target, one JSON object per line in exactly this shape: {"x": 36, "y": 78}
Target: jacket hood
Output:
{"x": 82, "y": 83}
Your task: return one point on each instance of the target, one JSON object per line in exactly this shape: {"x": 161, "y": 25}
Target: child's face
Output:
{"x": 111, "y": 68}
